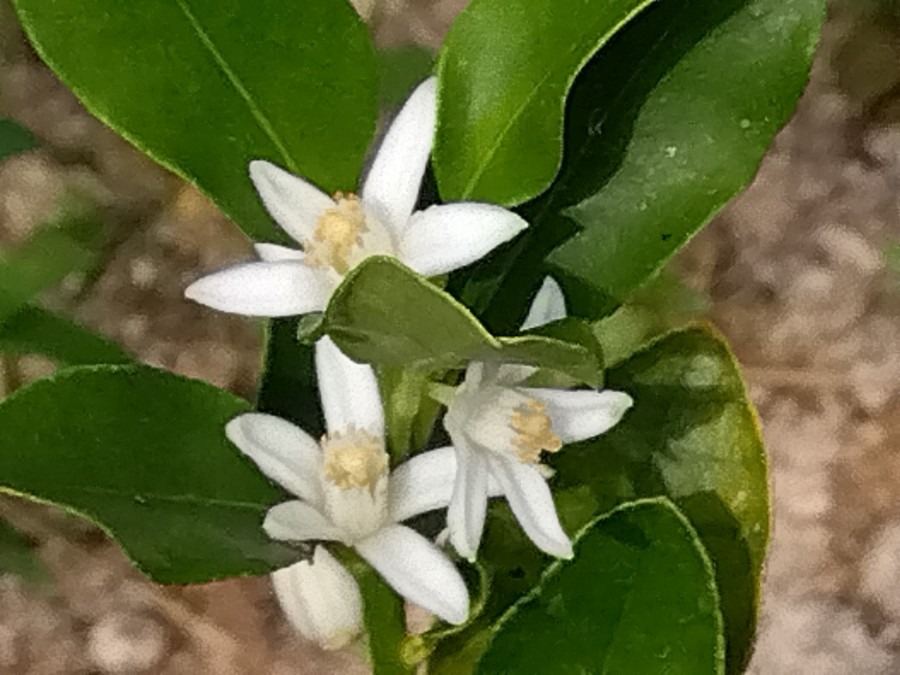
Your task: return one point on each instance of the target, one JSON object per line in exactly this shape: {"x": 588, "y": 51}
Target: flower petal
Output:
{"x": 418, "y": 571}
{"x": 294, "y": 203}
{"x": 298, "y": 521}
{"x": 392, "y": 186}
{"x": 548, "y": 305}
{"x": 263, "y": 289}
{"x": 425, "y": 483}
{"x": 349, "y": 391}
{"x": 276, "y": 253}
{"x": 321, "y": 599}
{"x": 444, "y": 238}
{"x": 285, "y": 453}
{"x": 532, "y": 504}
{"x": 581, "y": 414}
{"x": 421, "y": 484}
{"x": 468, "y": 504}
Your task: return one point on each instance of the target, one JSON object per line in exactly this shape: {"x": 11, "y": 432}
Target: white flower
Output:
{"x": 347, "y": 494}
{"x": 337, "y": 233}
{"x": 500, "y": 427}
{"x": 321, "y": 599}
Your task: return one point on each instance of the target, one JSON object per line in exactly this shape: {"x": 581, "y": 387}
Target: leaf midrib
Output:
{"x": 135, "y": 496}
{"x": 256, "y": 112}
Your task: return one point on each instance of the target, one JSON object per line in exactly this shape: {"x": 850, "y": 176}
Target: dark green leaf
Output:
{"x": 205, "y": 86}
{"x": 693, "y": 436}
{"x": 288, "y": 388}
{"x": 14, "y": 139}
{"x": 17, "y": 556}
{"x": 400, "y": 69}
{"x": 68, "y": 244}
{"x": 654, "y": 150}
{"x": 33, "y": 330}
{"x": 639, "y": 597}
{"x": 142, "y": 453}
{"x": 384, "y": 313}
{"x": 505, "y": 69}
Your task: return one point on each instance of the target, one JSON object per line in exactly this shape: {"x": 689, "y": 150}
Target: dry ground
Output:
{"x": 797, "y": 279}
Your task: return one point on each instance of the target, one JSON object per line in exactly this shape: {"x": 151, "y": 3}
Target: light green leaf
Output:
{"x": 33, "y": 330}
{"x": 142, "y": 453}
{"x": 693, "y": 436}
{"x": 205, "y": 86}
{"x": 655, "y": 149}
{"x": 505, "y": 69}
{"x": 383, "y": 313}
{"x": 69, "y": 243}
{"x": 14, "y": 139}
{"x": 639, "y": 597}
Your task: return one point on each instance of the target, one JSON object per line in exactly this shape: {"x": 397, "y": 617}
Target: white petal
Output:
{"x": 581, "y": 414}
{"x": 285, "y": 453}
{"x": 468, "y": 505}
{"x": 294, "y": 204}
{"x": 421, "y": 484}
{"x": 349, "y": 391}
{"x": 298, "y": 521}
{"x": 444, "y": 238}
{"x": 263, "y": 289}
{"x": 392, "y": 186}
{"x": 276, "y": 253}
{"x": 532, "y": 504}
{"x": 549, "y": 305}
{"x": 418, "y": 571}
{"x": 321, "y": 599}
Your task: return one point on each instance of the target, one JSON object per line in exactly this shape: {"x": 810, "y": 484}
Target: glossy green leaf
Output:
{"x": 68, "y": 244}
{"x": 142, "y": 453}
{"x": 639, "y": 597}
{"x": 34, "y": 330}
{"x": 383, "y": 313}
{"x": 505, "y": 69}
{"x": 18, "y": 557}
{"x": 655, "y": 149}
{"x": 205, "y": 86}
{"x": 14, "y": 139}
{"x": 693, "y": 436}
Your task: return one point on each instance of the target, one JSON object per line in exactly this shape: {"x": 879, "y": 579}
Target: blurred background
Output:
{"x": 801, "y": 272}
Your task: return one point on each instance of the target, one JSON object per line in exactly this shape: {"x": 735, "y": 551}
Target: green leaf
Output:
{"x": 409, "y": 411}
{"x": 142, "y": 453}
{"x": 639, "y": 597}
{"x": 34, "y": 330}
{"x": 505, "y": 69}
{"x": 68, "y": 244}
{"x": 14, "y": 139}
{"x": 383, "y": 313}
{"x": 288, "y": 387}
{"x": 693, "y": 436}
{"x": 655, "y": 149}
{"x": 400, "y": 69}
{"x": 205, "y": 86}
{"x": 17, "y": 556}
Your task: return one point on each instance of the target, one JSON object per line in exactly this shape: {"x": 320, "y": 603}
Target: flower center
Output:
{"x": 534, "y": 432}
{"x": 355, "y": 459}
{"x": 338, "y": 232}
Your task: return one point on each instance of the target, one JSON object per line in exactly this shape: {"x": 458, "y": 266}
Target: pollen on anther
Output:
{"x": 354, "y": 460}
{"x": 534, "y": 431}
{"x": 338, "y": 232}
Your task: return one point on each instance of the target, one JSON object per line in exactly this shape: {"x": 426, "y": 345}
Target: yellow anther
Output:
{"x": 534, "y": 432}
{"x": 338, "y": 231}
{"x": 355, "y": 459}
